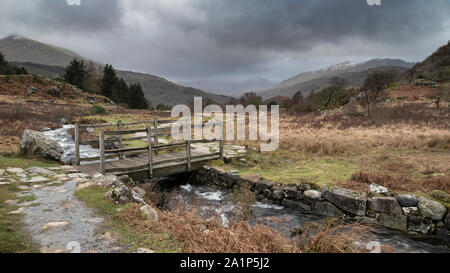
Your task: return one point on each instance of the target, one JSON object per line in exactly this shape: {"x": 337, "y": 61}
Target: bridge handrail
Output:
{"x": 117, "y": 136}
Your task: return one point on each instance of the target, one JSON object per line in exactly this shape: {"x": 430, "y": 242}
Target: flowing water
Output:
{"x": 67, "y": 143}
{"x": 209, "y": 201}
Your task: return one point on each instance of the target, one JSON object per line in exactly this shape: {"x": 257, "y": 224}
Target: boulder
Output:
{"x": 406, "y": 200}
{"x": 292, "y": 193}
{"x": 107, "y": 181}
{"x": 54, "y": 91}
{"x": 39, "y": 170}
{"x": 249, "y": 181}
{"x": 120, "y": 195}
{"x": 150, "y": 213}
{"x": 140, "y": 192}
{"x": 384, "y": 204}
{"x": 350, "y": 201}
{"x": 443, "y": 234}
{"x": 410, "y": 210}
{"x": 327, "y": 209}
{"x": 431, "y": 209}
{"x": 420, "y": 224}
{"x": 447, "y": 221}
{"x": 303, "y": 187}
{"x": 312, "y": 195}
{"x": 263, "y": 185}
{"x": 278, "y": 195}
{"x": 399, "y": 222}
{"x": 295, "y": 205}
{"x": 31, "y": 90}
{"x": 127, "y": 180}
{"x": 36, "y": 143}
{"x": 377, "y": 188}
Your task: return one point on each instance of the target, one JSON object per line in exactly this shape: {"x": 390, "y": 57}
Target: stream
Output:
{"x": 209, "y": 201}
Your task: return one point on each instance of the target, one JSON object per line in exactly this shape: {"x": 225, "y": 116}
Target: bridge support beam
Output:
{"x": 101, "y": 140}
{"x": 150, "y": 152}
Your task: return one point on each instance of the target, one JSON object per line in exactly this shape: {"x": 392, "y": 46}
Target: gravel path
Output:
{"x": 56, "y": 219}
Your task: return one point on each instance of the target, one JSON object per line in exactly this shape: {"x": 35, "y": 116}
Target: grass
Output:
{"x": 158, "y": 242}
{"x": 284, "y": 167}
{"x": 13, "y": 238}
{"x": 24, "y": 161}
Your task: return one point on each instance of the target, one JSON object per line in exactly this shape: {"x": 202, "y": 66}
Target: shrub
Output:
{"x": 96, "y": 110}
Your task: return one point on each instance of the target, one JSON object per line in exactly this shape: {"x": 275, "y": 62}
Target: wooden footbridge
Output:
{"x": 151, "y": 160}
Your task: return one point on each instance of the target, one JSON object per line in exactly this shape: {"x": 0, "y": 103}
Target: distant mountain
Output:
{"x": 317, "y": 80}
{"x": 231, "y": 88}
{"x": 435, "y": 68}
{"x": 353, "y": 79}
{"x": 21, "y": 49}
{"x": 47, "y": 60}
{"x": 160, "y": 90}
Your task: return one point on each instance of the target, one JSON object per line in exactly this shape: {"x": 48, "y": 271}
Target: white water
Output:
{"x": 67, "y": 143}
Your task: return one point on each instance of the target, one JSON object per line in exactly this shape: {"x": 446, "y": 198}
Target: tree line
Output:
{"x": 335, "y": 95}
{"x": 108, "y": 84}
{"x": 9, "y": 69}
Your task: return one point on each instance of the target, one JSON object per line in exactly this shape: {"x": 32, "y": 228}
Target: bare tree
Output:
{"x": 374, "y": 88}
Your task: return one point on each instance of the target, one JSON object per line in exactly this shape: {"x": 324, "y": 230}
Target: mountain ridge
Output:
{"x": 45, "y": 59}
{"x": 316, "y": 80}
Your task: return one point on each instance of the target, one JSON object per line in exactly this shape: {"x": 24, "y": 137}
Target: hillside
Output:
{"x": 434, "y": 68}
{"x": 21, "y": 49}
{"x": 353, "y": 79}
{"x": 316, "y": 80}
{"x": 159, "y": 90}
{"x": 231, "y": 88}
{"x": 48, "y": 61}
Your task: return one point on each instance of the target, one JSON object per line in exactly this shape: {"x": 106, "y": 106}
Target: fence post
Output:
{"x": 77, "y": 144}
{"x": 101, "y": 140}
{"x": 221, "y": 149}
{"x": 150, "y": 153}
{"x": 119, "y": 127}
{"x": 155, "y": 126}
{"x": 188, "y": 154}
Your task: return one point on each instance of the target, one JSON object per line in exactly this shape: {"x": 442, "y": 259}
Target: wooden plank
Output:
{"x": 102, "y": 151}
{"x": 77, "y": 143}
{"x": 115, "y": 151}
{"x": 188, "y": 154}
{"x": 221, "y": 149}
{"x": 155, "y": 126}
{"x": 119, "y": 127}
{"x": 150, "y": 153}
{"x": 96, "y": 125}
{"x": 124, "y": 132}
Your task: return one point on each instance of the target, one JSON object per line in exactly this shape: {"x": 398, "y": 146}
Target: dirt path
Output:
{"x": 55, "y": 218}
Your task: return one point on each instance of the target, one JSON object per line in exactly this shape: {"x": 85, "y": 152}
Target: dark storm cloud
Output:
{"x": 90, "y": 16}
{"x": 300, "y": 24}
{"x": 183, "y": 39}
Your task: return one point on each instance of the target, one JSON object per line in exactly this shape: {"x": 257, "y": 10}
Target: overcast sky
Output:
{"x": 232, "y": 39}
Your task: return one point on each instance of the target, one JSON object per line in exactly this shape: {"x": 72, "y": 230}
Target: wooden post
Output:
{"x": 155, "y": 126}
{"x": 101, "y": 140}
{"x": 188, "y": 154}
{"x": 221, "y": 149}
{"x": 150, "y": 153}
{"x": 119, "y": 127}
{"x": 77, "y": 144}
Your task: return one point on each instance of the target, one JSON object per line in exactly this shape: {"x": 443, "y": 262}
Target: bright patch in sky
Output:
{"x": 73, "y": 2}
